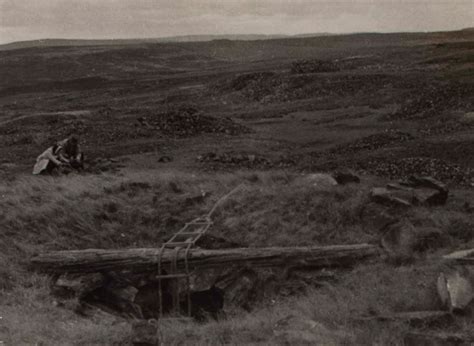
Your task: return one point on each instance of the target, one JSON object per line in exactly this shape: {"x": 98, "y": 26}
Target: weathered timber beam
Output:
{"x": 145, "y": 260}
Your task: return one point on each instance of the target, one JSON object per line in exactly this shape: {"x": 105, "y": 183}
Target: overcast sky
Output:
{"x": 35, "y": 19}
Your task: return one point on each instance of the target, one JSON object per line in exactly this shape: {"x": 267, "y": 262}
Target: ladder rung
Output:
{"x": 171, "y": 276}
{"x": 186, "y": 238}
{"x": 188, "y": 233}
{"x": 187, "y": 229}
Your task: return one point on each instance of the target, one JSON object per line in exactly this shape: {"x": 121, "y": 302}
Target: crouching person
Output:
{"x": 60, "y": 158}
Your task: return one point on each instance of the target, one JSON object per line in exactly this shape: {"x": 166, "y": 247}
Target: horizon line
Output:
{"x": 281, "y": 35}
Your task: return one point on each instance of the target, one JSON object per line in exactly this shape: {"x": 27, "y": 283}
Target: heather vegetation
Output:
{"x": 167, "y": 129}
{"x": 270, "y": 209}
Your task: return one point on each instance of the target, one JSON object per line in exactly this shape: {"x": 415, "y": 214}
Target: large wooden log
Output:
{"x": 145, "y": 260}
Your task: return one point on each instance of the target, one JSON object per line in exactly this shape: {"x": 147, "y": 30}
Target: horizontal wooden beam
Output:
{"x": 146, "y": 260}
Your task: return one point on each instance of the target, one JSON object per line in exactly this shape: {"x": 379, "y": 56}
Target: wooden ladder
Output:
{"x": 181, "y": 242}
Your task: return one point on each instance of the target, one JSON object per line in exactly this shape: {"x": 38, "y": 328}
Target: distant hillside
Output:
{"x": 121, "y": 42}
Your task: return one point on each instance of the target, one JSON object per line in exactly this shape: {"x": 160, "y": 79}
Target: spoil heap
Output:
{"x": 218, "y": 161}
{"x": 430, "y": 102}
{"x": 405, "y": 167}
{"x": 373, "y": 142}
{"x": 188, "y": 121}
{"x": 313, "y": 66}
{"x": 280, "y": 87}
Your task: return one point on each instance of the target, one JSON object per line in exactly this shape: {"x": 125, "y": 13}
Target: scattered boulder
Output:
{"x": 418, "y": 196}
{"x": 392, "y": 198}
{"x": 343, "y": 178}
{"x": 425, "y": 166}
{"x": 399, "y": 239}
{"x": 75, "y": 285}
{"x": 455, "y": 288}
{"x": 421, "y": 183}
{"x": 416, "y": 181}
{"x": 82, "y": 292}
{"x": 321, "y": 180}
{"x": 416, "y": 191}
{"x": 165, "y": 159}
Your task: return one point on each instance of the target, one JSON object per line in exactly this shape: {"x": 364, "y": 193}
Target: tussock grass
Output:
{"x": 270, "y": 209}
{"x": 29, "y": 316}
{"x": 142, "y": 209}
{"x": 337, "y": 311}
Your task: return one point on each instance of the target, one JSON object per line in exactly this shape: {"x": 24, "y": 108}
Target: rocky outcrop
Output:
{"x": 414, "y": 191}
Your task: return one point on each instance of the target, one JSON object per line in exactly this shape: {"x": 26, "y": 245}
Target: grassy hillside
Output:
{"x": 142, "y": 209}
{"x": 168, "y": 128}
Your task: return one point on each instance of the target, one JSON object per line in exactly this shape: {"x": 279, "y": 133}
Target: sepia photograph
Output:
{"x": 237, "y": 172}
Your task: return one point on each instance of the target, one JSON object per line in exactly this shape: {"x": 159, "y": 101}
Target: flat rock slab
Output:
{"x": 397, "y": 198}
{"x": 455, "y": 288}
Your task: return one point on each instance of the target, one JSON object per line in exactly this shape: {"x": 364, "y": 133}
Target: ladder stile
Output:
{"x": 188, "y": 281}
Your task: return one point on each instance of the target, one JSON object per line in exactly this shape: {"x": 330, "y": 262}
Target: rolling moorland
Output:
{"x": 162, "y": 123}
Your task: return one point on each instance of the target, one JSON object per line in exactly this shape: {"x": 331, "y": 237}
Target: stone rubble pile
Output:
{"x": 430, "y": 102}
{"x": 373, "y": 142}
{"x": 274, "y": 87}
{"x": 243, "y": 160}
{"x": 188, "y": 121}
{"x": 414, "y": 191}
{"x": 423, "y": 166}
